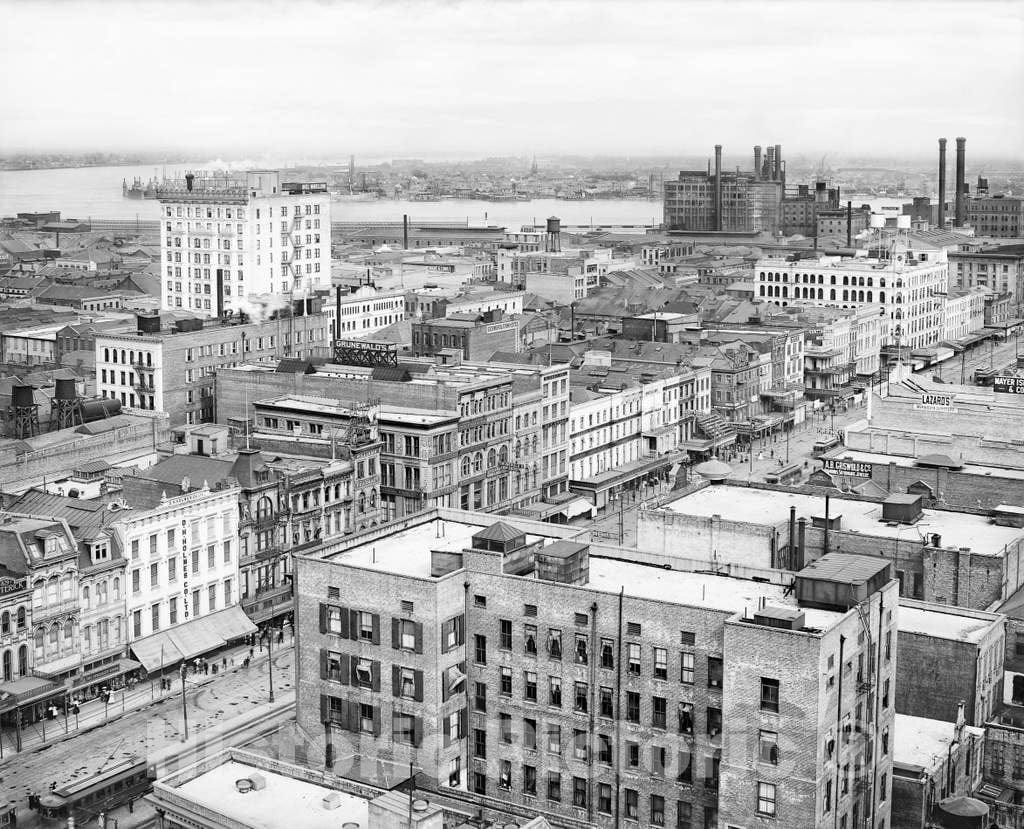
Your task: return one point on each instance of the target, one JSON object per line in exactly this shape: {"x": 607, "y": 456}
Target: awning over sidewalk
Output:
{"x": 193, "y": 638}
{"x": 25, "y": 689}
{"x": 56, "y": 667}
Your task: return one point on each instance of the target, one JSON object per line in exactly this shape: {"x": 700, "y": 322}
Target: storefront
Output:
{"x": 192, "y": 639}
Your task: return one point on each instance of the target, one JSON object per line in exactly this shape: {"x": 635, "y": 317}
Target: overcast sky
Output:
{"x": 489, "y": 78}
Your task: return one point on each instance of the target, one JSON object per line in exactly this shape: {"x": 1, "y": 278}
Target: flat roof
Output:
{"x": 904, "y": 461}
{"x": 284, "y": 803}
{"x": 942, "y": 622}
{"x": 771, "y": 507}
{"x": 407, "y": 552}
{"x": 923, "y": 742}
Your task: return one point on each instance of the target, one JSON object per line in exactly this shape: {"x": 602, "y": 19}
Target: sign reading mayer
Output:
{"x": 853, "y": 469}
{"x": 1008, "y": 385}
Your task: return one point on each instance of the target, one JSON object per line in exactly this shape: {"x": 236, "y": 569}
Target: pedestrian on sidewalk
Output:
{"x": 224, "y": 664}
{"x": 280, "y": 636}
{"x": 206, "y": 668}
{"x": 252, "y": 652}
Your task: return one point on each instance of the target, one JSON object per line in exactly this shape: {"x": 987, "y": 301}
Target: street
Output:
{"x": 992, "y": 354}
{"x": 211, "y": 701}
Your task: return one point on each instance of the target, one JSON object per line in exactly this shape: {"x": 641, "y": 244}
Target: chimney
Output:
{"x": 849, "y": 224}
{"x": 405, "y": 232}
{"x": 718, "y": 187}
{"x": 961, "y": 157}
{"x": 942, "y": 183}
{"x": 769, "y": 163}
{"x": 778, "y": 163}
{"x": 757, "y": 161}
{"x": 189, "y": 178}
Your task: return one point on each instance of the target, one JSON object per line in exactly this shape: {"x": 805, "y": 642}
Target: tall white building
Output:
{"x": 909, "y": 285}
{"x": 225, "y": 239}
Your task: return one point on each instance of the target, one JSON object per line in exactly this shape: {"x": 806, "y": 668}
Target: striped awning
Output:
{"x": 193, "y": 638}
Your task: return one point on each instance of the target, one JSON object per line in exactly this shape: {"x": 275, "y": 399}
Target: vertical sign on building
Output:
{"x": 184, "y": 568}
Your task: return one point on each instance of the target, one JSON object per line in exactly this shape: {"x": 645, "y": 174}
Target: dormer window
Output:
{"x": 51, "y": 545}
{"x": 100, "y": 551}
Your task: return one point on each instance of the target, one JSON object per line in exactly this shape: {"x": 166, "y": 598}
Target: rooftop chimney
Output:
{"x": 757, "y": 161}
{"x": 718, "y": 187}
{"x": 942, "y": 183}
{"x": 778, "y": 163}
{"x": 961, "y": 202}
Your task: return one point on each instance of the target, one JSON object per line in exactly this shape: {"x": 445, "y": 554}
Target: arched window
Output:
{"x": 23, "y": 660}
{"x": 69, "y": 630}
{"x": 492, "y": 459}
{"x": 373, "y": 499}
{"x": 785, "y": 291}
{"x": 5, "y": 623}
{"x": 106, "y": 355}
{"x": 503, "y": 455}
{"x": 149, "y": 358}
{"x": 519, "y": 443}
{"x": 123, "y": 360}
{"x": 821, "y": 293}
{"x": 846, "y": 295}
{"x": 870, "y": 296}
{"x": 53, "y": 590}
{"x": 832, "y": 293}
{"x": 466, "y": 466}
{"x": 881, "y": 282}
{"x": 762, "y": 294}
{"x": 117, "y": 588}
{"x": 881, "y": 296}
{"x": 85, "y": 596}
{"x": 846, "y": 280}
{"x": 478, "y": 462}
{"x": 362, "y": 502}
{"x": 54, "y": 634}
{"x": 264, "y": 508}
{"x": 21, "y": 618}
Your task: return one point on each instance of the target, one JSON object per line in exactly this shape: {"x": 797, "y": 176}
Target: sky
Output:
{"x": 473, "y": 79}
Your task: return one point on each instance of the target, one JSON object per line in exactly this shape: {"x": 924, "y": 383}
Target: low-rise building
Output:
{"x": 1000, "y": 269}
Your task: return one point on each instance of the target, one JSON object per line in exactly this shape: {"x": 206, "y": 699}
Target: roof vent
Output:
{"x": 420, "y": 806}
{"x": 331, "y": 801}
{"x": 244, "y": 785}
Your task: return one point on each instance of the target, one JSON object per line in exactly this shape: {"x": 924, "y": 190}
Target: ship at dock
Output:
{"x": 139, "y": 190}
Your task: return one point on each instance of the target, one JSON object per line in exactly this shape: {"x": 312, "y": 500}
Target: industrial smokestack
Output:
{"x": 942, "y": 183}
{"x": 757, "y": 161}
{"x": 718, "y": 187}
{"x": 189, "y": 178}
{"x": 405, "y": 232}
{"x": 769, "y": 163}
{"x": 849, "y": 224}
{"x": 778, "y": 163}
{"x": 961, "y": 201}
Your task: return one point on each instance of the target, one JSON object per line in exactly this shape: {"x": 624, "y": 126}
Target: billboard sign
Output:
{"x": 1008, "y": 385}
{"x": 851, "y": 469}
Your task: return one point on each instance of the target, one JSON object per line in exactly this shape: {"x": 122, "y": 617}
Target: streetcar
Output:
{"x": 785, "y": 474}
{"x": 84, "y": 799}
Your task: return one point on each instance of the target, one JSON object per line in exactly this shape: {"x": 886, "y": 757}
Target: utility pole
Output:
{"x": 184, "y": 709}
{"x": 270, "y": 662}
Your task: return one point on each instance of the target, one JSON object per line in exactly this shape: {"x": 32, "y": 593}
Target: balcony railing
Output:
{"x": 54, "y": 609}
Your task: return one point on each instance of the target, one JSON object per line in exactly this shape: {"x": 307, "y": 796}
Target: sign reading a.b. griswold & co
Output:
{"x": 1008, "y": 385}
{"x": 851, "y": 469}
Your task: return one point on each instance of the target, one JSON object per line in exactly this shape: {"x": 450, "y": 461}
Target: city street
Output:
{"x": 991, "y": 354}
{"x": 155, "y": 724}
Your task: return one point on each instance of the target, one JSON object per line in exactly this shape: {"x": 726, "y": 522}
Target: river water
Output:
{"x": 95, "y": 192}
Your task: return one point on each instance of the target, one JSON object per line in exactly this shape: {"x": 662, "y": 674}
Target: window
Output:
{"x": 579, "y": 745}
{"x": 530, "y": 780}
{"x": 554, "y": 643}
{"x": 604, "y": 798}
{"x": 685, "y": 716}
{"x": 632, "y": 804}
{"x": 554, "y": 786}
{"x": 714, "y": 672}
{"x": 554, "y": 739}
{"x": 606, "y": 708}
{"x": 579, "y": 792}
{"x": 136, "y": 581}
{"x": 455, "y": 771}
{"x": 155, "y": 614}
{"x": 480, "y": 649}
{"x": 529, "y": 686}
{"x": 768, "y": 747}
{"x": 633, "y": 652}
{"x": 657, "y": 810}
{"x": 659, "y": 712}
{"x": 660, "y": 663}
{"x": 555, "y": 691}
{"x": 480, "y": 743}
{"x": 686, "y": 668}
{"x": 633, "y": 706}
{"x": 479, "y": 783}
{"x": 530, "y": 733}
{"x": 479, "y": 696}
{"x": 154, "y": 574}
{"x": 505, "y": 775}
{"x": 172, "y": 569}
{"x": 530, "y": 640}
{"x": 211, "y": 593}
{"x": 685, "y": 772}
{"x": 505, "y": 638}
{"x": 580, "y": 650}
{"x": 506, "y": 683}
{"x": 453, "y": 633}
{"x": 684, "y": 815}
{"x": 479, "y": 601}
{"x": 404, "y": 635}
{"x": 604, "y": 749}
{"x": 607, "y": 654}
{"x": 769, "y": 695}
{"x": 766, "y": 799}
{"x": 505, "y": 728}
{"x": 714, "y": 721}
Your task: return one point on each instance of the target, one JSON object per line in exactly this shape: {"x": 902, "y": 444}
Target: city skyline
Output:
{"x": 585, "y": 78}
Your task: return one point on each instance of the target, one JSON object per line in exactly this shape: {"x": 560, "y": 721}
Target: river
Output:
{"x": 95, "y": 192}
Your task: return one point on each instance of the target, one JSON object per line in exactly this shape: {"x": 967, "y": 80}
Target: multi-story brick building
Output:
{"x": 511, "y": 667}
{"x": 1000, "y": 216}
{"x": 223, "y": 240}
{"x": 172, "y": 365}
{"x": 1000, "y": 269}
{"x": 908, "y": 285}
{"x": 949, "y": 656}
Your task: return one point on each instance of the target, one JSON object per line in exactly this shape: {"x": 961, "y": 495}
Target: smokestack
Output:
{"x": 718, "y": 187}
{"x": 942, "y": 183}
{"x": 337, "y": 312}
{"x": 189, "y": 178}
{"x": 778, "y": 163}
{"x": 769, "y": 163}
{"x": 961, "y": 204}
{"x": 405, "y": 232}
{"x": 849, "y": 224}
{"x": 757, "y": 161}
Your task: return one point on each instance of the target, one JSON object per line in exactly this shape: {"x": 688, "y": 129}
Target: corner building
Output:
{"x": 518, "y": 672}
{"x": 225, "y": 239}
